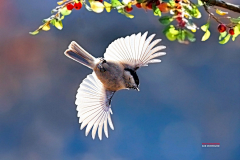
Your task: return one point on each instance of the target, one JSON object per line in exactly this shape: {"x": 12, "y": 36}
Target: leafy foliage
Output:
{"x": 177, "y": 15}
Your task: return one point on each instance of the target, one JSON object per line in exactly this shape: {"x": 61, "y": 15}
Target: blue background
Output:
{"x": 190, "y": 98}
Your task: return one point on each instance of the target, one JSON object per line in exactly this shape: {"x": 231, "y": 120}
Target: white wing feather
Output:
{"x": 134, "y": 51}
{"x": 93, "y": 106}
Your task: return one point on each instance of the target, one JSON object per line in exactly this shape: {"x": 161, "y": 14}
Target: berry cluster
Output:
{"x": 179, "y": 13}
{"x": 179, "y": 20}
{"x": 163, "y": 6}
{"x": 222, "y": 28}
{"x": 77, "y": 6}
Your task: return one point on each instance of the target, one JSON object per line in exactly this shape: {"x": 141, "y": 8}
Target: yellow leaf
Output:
{"x": 64, "y": 11}
{"x": 205, "y": 27}
{"x": 58, "y": 25}
{"x": 225, "y": 40}
{"x": 193, "y": 30}
{"x": 108, "y": 6}
{"x": 129, "y": 5}
{"x": 46, "y": 27}
{"x": 61, "y": 2}
{"x": 97, "y": 6}
{"x": 221, "y": 12}
{"x": 129, "y": 15}
{"x": 34, "y": 32}
{"x": 206, "y": 35}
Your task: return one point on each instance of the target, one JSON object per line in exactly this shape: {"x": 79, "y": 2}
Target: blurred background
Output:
{"x": 190, "y": 98}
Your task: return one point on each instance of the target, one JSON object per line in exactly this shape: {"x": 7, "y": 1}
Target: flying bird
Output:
{"x": 116, "y": 71}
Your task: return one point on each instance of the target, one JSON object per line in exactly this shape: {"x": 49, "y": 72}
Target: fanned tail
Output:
{"x": 78, "y": 54}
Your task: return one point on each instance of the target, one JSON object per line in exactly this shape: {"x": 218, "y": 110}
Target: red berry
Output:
{"x": 176, "y": 1}
{"x": 182, "y": 24}
{"x": 231, "y": 31}
{"x": 100, "y": 1}
{"x": 78, "y": 6}
{"x": 222, "y": 28}
{"x": 149, "y": 5}
{"x": 138, "y": 5}
{"x": 70, "y": 6}
{"x": 179, "y": 7}
{"x": 157, "y": 2}
{"x": 179, "y": 19}
{"x": 127, "y": 9}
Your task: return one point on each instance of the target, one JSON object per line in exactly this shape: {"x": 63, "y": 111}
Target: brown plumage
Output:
{"x": 116, "y": 71}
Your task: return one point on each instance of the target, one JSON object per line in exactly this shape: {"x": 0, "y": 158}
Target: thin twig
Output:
{"x": 215, "y": 18}
{"x": 223, "y": 4}
{"x": 211, "y": 14}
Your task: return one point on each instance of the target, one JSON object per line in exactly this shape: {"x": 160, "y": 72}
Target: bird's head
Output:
{"x": 131, "y": 79}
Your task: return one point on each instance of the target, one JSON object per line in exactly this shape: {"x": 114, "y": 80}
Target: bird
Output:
{"x": 113, "y": 72}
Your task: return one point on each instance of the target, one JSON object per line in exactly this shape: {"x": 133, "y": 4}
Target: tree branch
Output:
{"x": 222, "y": 4}
{"x": 215, "y": 18}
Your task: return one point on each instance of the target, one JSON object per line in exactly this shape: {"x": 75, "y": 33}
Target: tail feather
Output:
{"x": 78, "y": 54}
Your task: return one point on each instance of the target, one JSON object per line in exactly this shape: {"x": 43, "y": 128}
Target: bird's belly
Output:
{"x": 112, "y": 78}
{"x": 110, "y": 81}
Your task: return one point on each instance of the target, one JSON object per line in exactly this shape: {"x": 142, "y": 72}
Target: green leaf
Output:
{"x": 53, "y": 22}
{"x": 58, "y": 25}
{"x": 191, "y": 39}
{"x": 189, "y": 34}
{"x": 34, "y": 32}
{"x": 205, "y": 27}
{"x": 156, "y": 10}
{"x": 125, "y": 13}
{"x": 140, "y": 1}
{"x": 116, "y": 3}
{"x": 235, "y": 20}
{"x": 171, "y": 2}
{"x": 64, "y": 11}
{"x": 226, "y": 39}
{"x": 173, "y": 31}
{"x": 236, "y": 32}
{"x": 206, "y": 35}
{"x": 166, "y": 29}
{"x": 170, "y": 36}
{"x": 181, "y": 36}
{"x": 196, "y": 13}
{"x": 222, "y": 35}
{"x": 166, "y": 20}
{"x": 200, "y": 3}
{"x": 193, "y": 11}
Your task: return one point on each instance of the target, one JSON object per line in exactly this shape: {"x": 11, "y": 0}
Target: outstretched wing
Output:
{"x": 94, "y": 106}
{"x": 134, "y": 51}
